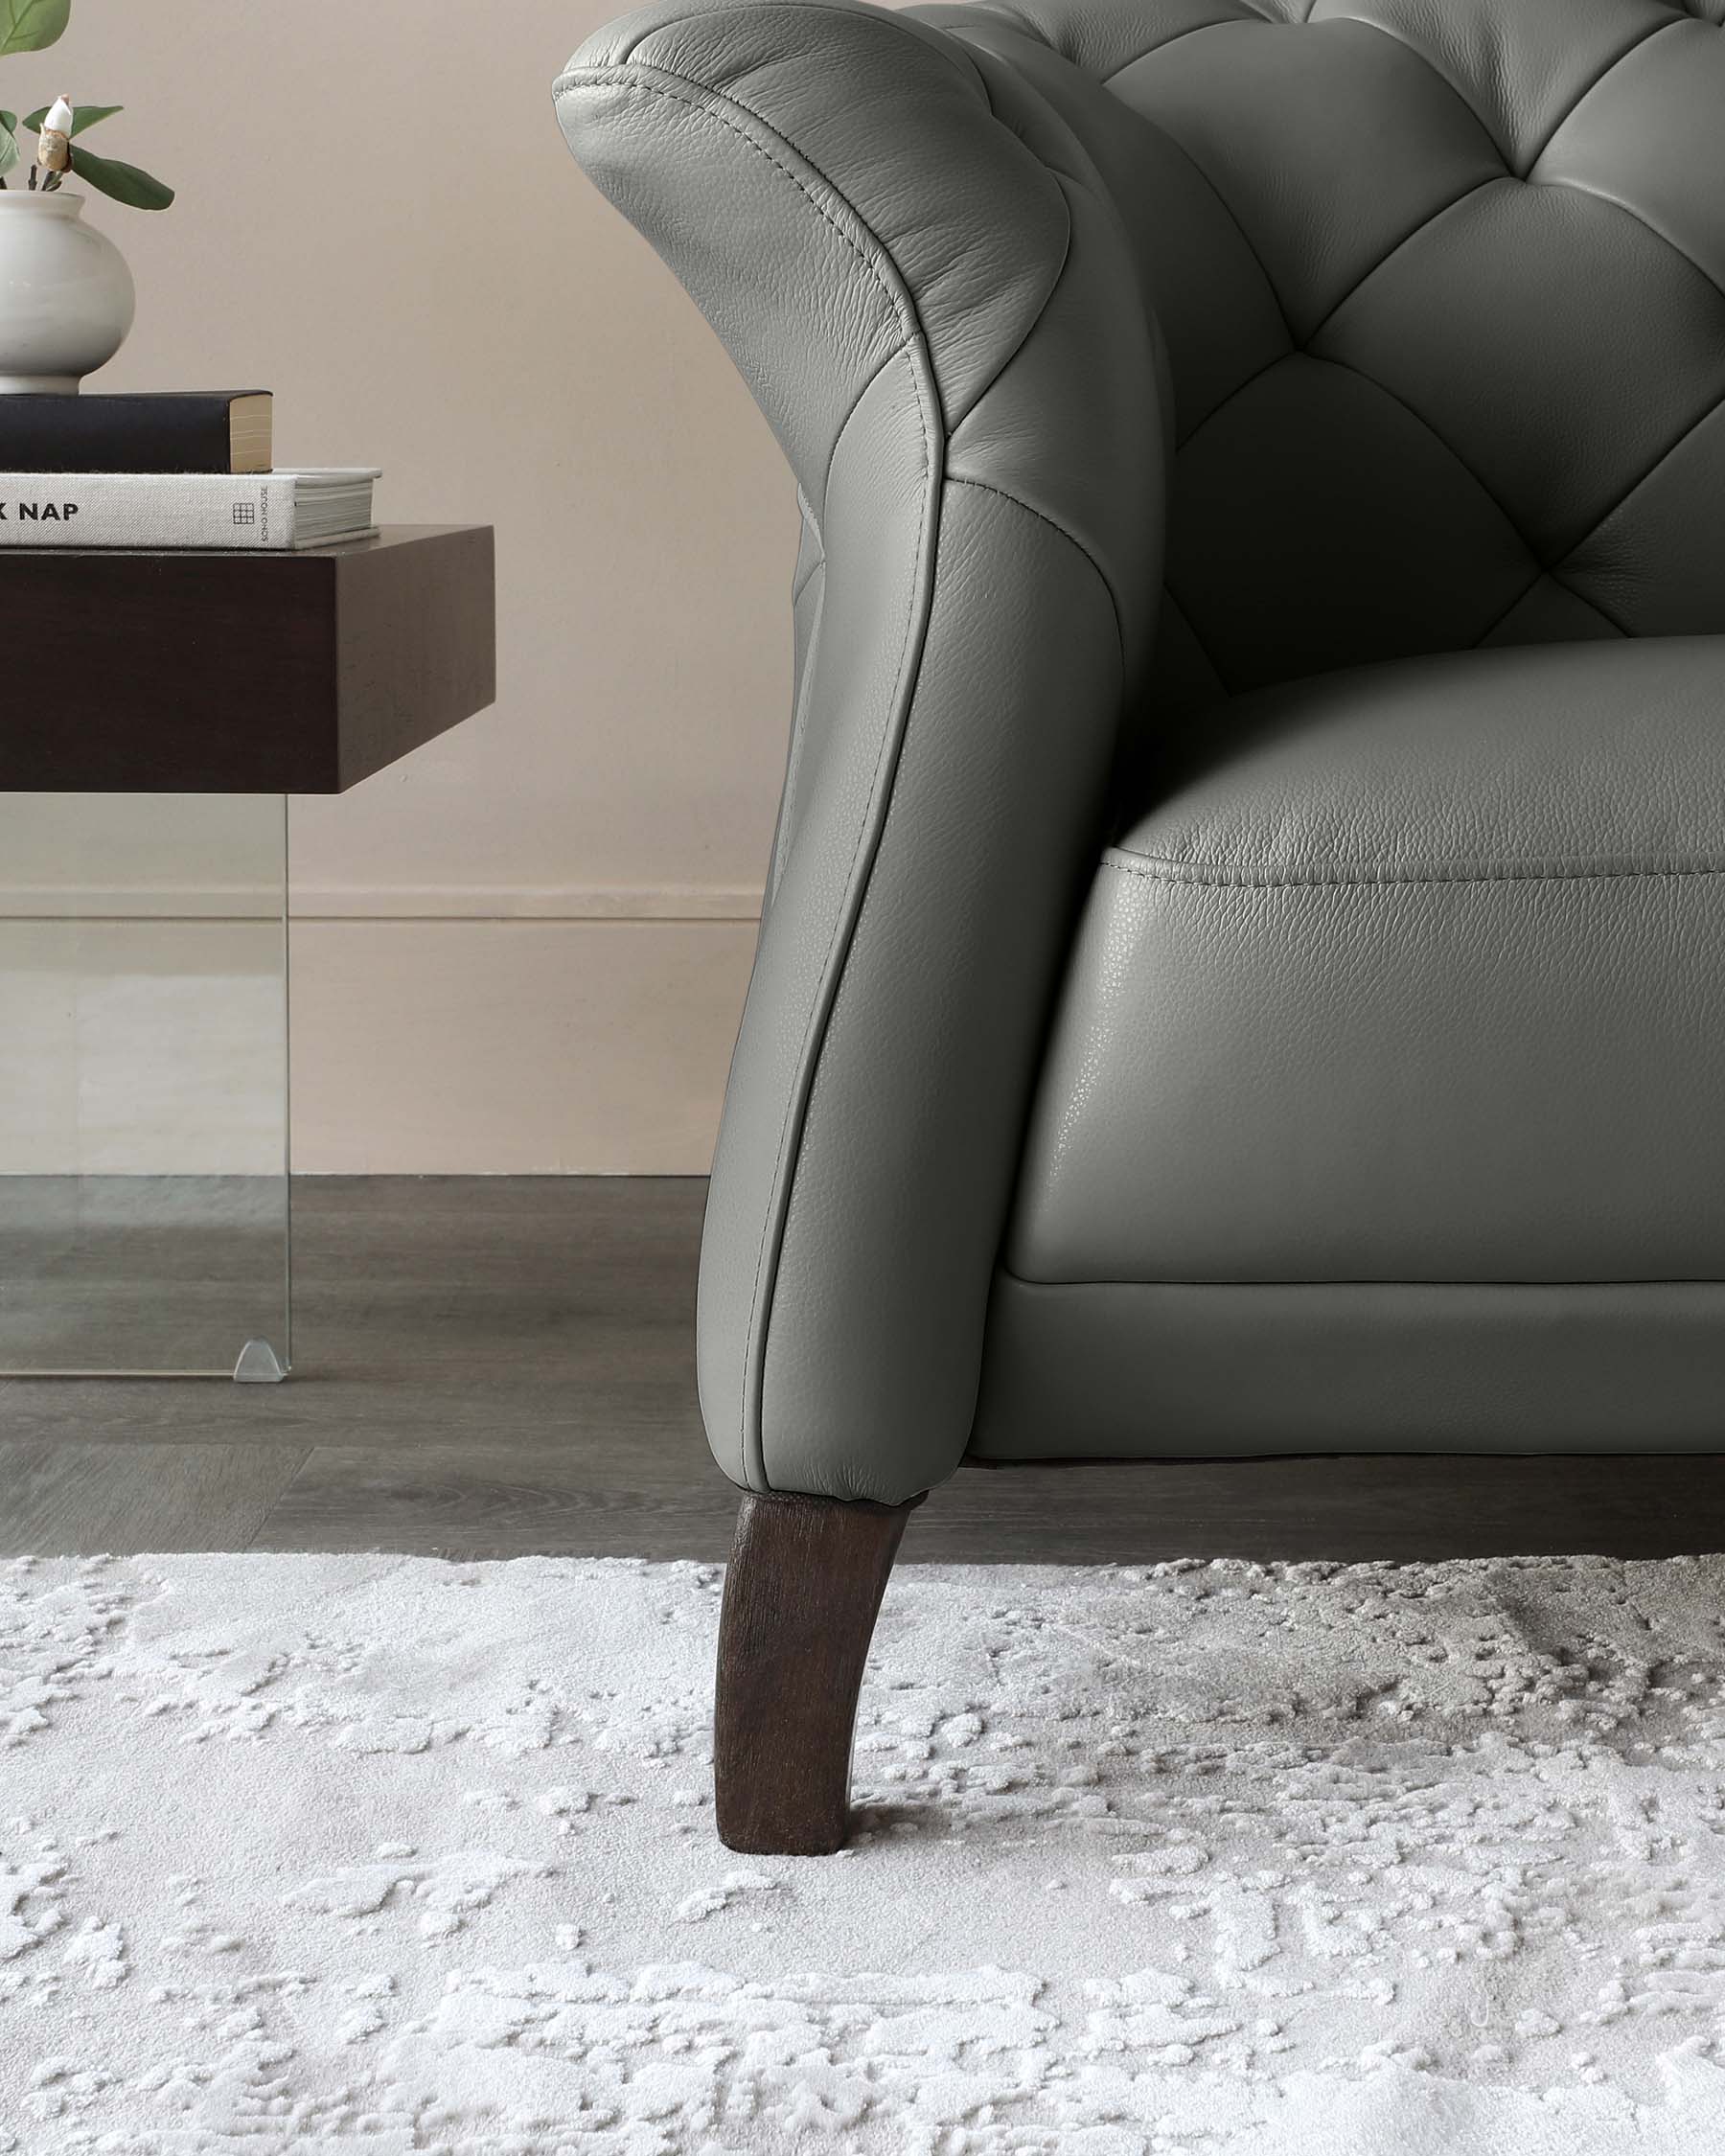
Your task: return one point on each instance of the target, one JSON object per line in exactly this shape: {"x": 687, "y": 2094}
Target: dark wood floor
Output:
{"x": 498, "y": 1366}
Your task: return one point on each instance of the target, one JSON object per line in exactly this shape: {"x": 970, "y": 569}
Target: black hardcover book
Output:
{"x": 197, "y": 430}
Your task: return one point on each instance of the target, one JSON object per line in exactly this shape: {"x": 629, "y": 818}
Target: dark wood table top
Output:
{"x": 222, "y": 672}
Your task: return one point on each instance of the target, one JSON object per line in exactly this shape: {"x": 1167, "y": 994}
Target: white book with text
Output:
{"x": 268, "y": 511}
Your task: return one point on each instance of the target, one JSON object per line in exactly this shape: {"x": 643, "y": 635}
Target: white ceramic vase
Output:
{"x": 66, "y": 297}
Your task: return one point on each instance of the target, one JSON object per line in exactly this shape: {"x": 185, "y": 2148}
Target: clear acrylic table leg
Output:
{"x": 145, "y": 1210}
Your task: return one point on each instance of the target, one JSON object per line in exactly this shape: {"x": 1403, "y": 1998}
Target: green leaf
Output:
{"x": 125, "y": 183}
{"x": 27, "y": 26}
{"x": 8, "y": 143}
{"x": 82, "y": 116}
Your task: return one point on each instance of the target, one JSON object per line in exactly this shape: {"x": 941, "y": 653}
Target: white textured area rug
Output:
{"x": 374, "y": 1854}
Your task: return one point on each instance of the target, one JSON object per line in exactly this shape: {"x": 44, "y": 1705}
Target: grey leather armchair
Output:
{"x": 1244, "y": 958}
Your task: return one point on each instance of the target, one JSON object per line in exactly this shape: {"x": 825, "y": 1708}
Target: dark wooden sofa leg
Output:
{"x": 801, "y": 1597}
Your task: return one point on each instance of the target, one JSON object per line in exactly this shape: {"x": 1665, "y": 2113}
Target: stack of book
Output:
{"x": 165, "y": 470}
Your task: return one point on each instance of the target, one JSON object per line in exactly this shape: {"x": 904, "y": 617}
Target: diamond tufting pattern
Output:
{"x": 1442, "y": 284}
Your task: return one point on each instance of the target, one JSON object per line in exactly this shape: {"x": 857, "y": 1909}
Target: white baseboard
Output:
{"x": 514, "y": 1047}
{"x": 399, "y": 902}
{"x": 141, "y": 1048}
{"x": 526, "y": 902}
{"x": 519, "y": 1044}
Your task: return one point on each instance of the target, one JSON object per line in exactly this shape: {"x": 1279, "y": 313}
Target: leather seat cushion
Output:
{"x": 1418, "y": 980}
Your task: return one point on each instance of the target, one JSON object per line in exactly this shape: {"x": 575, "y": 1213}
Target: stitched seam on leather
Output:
{"x": 1406, "y": 240}
{"x": 1171, "y": 598}
{"x": 1229, "y": 212}
{"x": 1239, "y": 389}
{"x": 1356, "y": 1280}
{"x": 1223, "y": 680}
{"x": 1701, "y": 419}
{"x": 794, "y": 760}
{"x": 1017, "y": 501}
{"x": 1635, "y": 486}
{"x": 1302, "y": 344}
{"x": 631, "y": 79}
{"x": 1062, "y": 180}
{"x": 801, "y": 583}
{"x": 1157, "y": 868}
{"x": 957, "y": 419}
{"x": 1581, "y": 98}
{"x": 1595, "y": 521}
{"x": 959, "y": 59}
{"x": 1604, "y": 612}
{"x": 1328, "y": 359}
{"x": 1324, "y": 359}
{"x": 762, "y": 121}
{"x": 1098, "y": 194}
{"x": 1442, "y": 74}
{"x": 1191, "y": 30}
{"x": 843, "y": 428}
{"x": 1498, "y": 619}
{"x": 632, "y": 76}
{"x": 868, "y": 837}
{"x": 1631, "y": 211}
{"x": 1528, "y": 590}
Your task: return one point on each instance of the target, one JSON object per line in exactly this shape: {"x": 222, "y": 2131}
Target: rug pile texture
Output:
{"x": 378, "y": 1855}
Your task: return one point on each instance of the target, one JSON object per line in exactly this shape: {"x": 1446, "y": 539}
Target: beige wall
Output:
{"x": 524, "y": 949}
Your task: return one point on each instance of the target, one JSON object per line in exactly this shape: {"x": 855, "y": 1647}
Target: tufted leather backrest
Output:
{"x": 1442, "y": 284}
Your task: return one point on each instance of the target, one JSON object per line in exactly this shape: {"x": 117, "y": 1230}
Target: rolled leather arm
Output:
{"x": 829, "y": 183}
{"x": 919, "y": 276}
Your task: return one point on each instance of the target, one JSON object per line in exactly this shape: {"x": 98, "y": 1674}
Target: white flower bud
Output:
{"x": 54, "y": 147}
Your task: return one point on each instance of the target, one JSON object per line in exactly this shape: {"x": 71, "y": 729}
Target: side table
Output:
{"x": 163, "y": 709}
